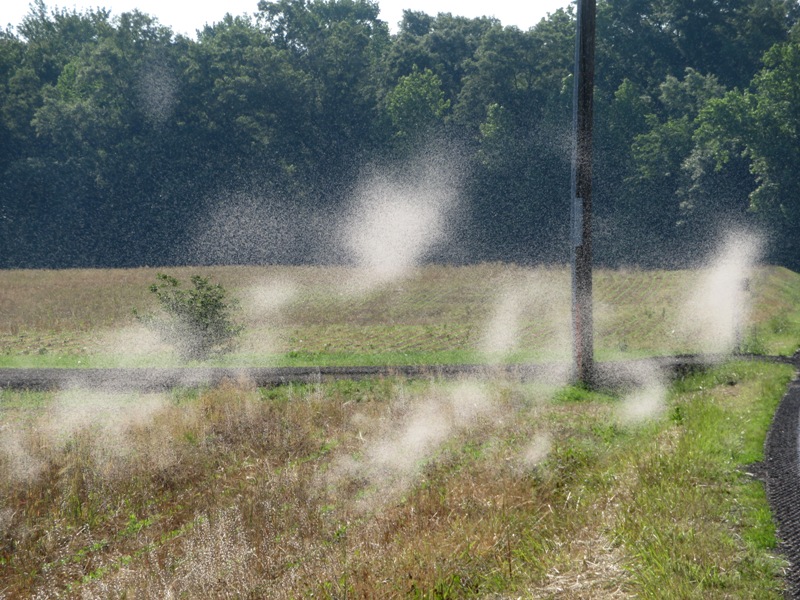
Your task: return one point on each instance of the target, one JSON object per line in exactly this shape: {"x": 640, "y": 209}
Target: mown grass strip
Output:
{"x": 440, "y": 314}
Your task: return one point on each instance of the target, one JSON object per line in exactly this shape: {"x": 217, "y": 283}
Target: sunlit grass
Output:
{"x": 300, "y": 316}
{"x": 386, "y": 487}
{"x": 390, "y": 488}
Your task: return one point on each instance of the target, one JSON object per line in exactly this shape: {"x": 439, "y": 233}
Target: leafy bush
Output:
{"x": 199, "y": 321}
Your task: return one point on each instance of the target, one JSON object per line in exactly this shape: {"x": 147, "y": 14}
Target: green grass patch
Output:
{"x": 694, "y": 523}
{"x": 580, "y": 394}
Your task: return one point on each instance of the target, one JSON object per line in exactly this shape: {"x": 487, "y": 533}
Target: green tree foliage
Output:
{"x": 417, "y": 104}
{"x": 525, "y": 72}
{"x": 116, "y": 136}
{"x": 646, "y": 40}
{"x": 338, "y": 44}
{"x": 760, "y": 127}
{"x": 199, "y": 322}
{"x": 444, "y": 44}
{"x": 516, "y": 101}
{"x": 247, "y": 99}
{"x": 659, "y": 152}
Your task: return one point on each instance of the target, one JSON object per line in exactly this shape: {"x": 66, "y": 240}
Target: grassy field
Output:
{"x": 390, "y": 488}
{"x": 329, "y": 316}
{"x": 477, "y": 488}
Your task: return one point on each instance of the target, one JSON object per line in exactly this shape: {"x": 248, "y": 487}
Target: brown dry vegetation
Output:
{"x": 387, "y": 488}
{"x": 310, "y": 314}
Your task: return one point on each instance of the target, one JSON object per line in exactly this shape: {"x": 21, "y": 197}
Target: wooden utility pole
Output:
{"x": 581, "y": 218}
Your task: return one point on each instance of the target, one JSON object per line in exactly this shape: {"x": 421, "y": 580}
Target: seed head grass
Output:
{"x": 390, "y": 488}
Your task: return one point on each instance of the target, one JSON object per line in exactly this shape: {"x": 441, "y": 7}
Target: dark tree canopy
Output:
{"x": 119, "y": 139}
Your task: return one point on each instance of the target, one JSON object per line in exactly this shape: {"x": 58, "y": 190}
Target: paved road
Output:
{"x": 155, "y": 379}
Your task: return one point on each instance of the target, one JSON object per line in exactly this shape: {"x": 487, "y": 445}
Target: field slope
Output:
{"x": 329, "y": 316}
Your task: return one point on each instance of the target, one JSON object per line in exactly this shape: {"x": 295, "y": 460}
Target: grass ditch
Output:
{"x": 391, "y": 488}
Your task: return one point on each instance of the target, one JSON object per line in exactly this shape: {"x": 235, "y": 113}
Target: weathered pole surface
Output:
{"x": 581, "y": 218}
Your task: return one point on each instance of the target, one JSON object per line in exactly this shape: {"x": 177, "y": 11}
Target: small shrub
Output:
{"x": 199, "y": 321}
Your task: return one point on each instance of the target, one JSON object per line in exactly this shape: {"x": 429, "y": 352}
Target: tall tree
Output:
{"x": 416, "y": 106}
{"x": 444, "y": 44}
{"x": 516, "y": 102}
{"x": 653, "y": 191}
{"x": 763, "y": 126}
{"x": 246, "y": 105}
{"x": 102, "y": 122}
{"x": 646, "y": 40}
{"x": 338, "y": 43}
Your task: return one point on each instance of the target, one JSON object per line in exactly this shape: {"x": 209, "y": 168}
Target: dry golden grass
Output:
{"x": 316, "y": 315}
{"x": 383, "y": 488}
{"x": 386, "y": 488}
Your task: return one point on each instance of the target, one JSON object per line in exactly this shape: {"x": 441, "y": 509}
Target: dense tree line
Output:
{"x": 118, "y": 138}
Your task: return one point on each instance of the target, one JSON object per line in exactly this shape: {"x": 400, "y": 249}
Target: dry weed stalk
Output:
{"x": 241, "y": 492}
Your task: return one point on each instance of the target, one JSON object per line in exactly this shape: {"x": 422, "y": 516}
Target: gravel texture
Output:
{"x": 781, "y": 474}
